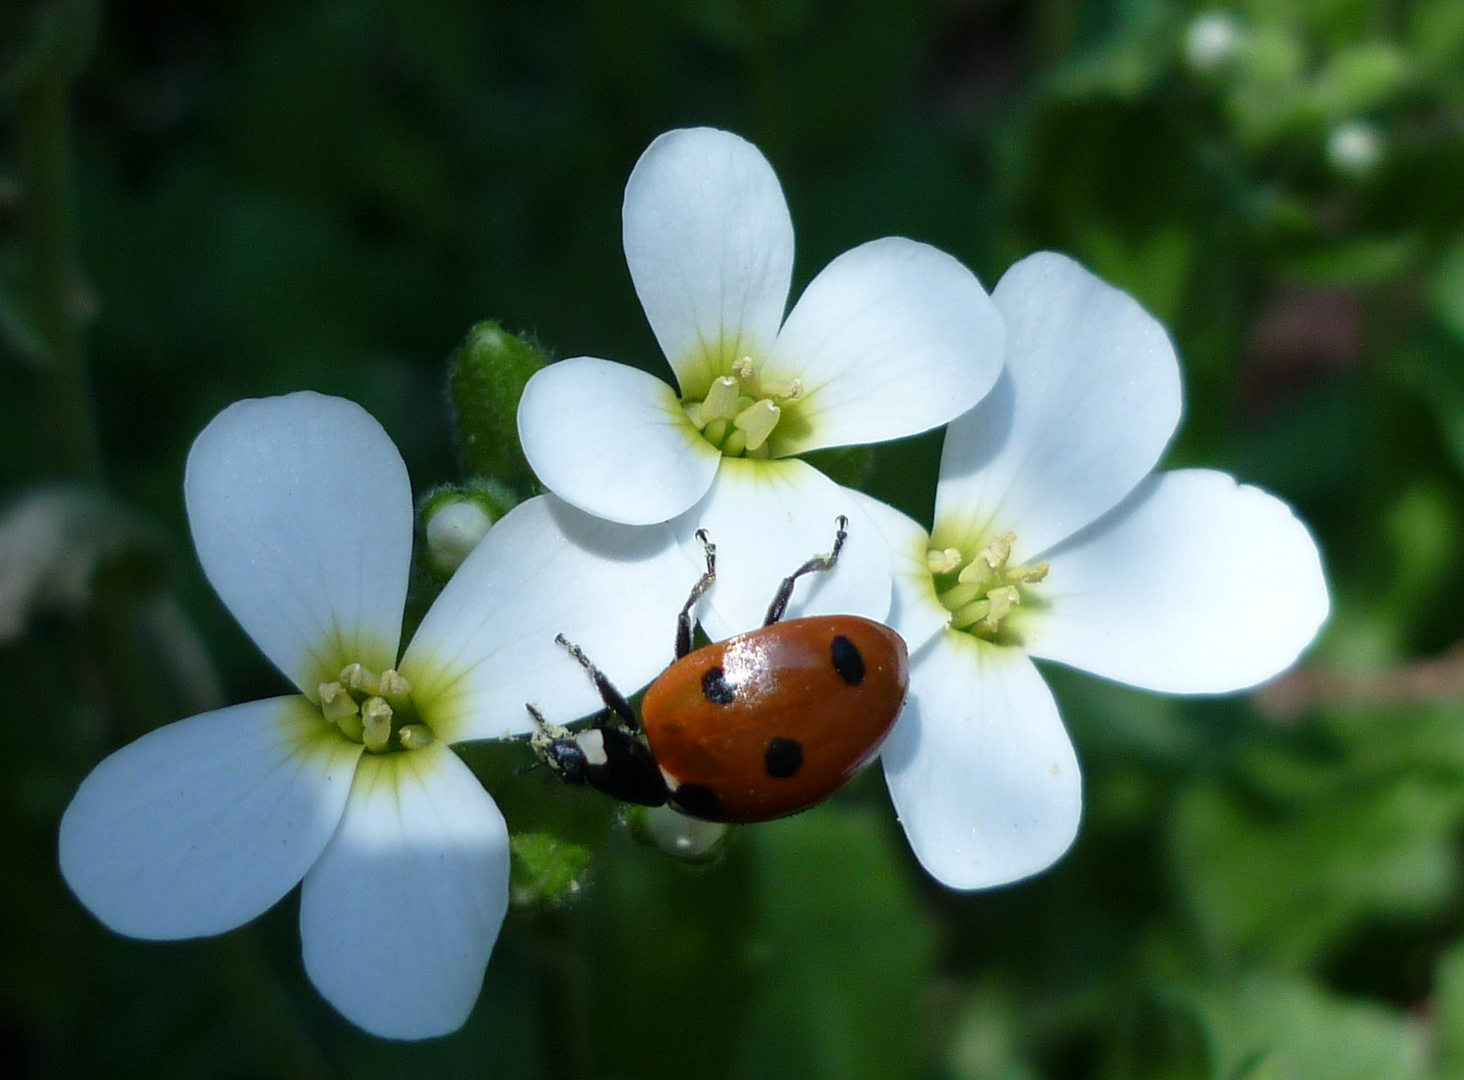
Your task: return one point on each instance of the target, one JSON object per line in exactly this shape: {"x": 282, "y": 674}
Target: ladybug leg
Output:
{"x": 816, "y": 565}
{"x": 683, "y": 621}
{"x": 614, "y": 700}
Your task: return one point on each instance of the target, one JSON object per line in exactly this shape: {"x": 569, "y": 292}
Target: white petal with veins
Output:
{"x": 767, "y": 519}
{"x": 1194, "y": 584}
{"x": 893, "y": 338}
{"x": 1089, "y": 399}
{"x": 301, "y": 512}
{"x": 201, "y": 825}
{"x": 980, "y": 769}
{"x": 613, "y": 441}
{"x": 710, "y": 247}
{"x": 486, "y": 648}
{"x": 915, "y": 612}
{"x": 399, "y": 916}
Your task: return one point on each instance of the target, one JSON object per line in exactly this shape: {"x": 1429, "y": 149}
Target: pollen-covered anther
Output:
{"x": 738, "y": 413}
{"x": 393, "y": 686}
{"x": 1028, "y": 575}
{"x": 335, "y": 703}
{"x": 361, "y": 679}
{"x": 376, "y": 717}
{"x": 790, "y": 391}
{"x": 943, "y": 561}
{"x": 990, "y": 557}
{"x": 415, "y": 736}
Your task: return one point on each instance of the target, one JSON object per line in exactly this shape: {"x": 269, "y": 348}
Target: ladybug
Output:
{"x": 759, "y": 726}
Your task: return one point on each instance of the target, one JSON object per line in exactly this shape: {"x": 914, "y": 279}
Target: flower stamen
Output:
{"x": 980, "y": 593}
{"x": 757, "y": 422}
{"x": 739, "y": 414}
{"x": 376, "y": 717}
{"x": 361, "y": 679}
{"x": 375, "y": 710}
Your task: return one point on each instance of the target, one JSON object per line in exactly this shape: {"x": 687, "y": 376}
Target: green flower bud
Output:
{"x": 487, "y": 377}
{"x": 545, "y": 869}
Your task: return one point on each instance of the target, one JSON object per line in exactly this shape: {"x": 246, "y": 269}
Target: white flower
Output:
{"x": 1355, "y": 148}
{"x": 1053, "y": 540}
{"x": 891, "y": 339}
{"x": 1211, "y": 40}
{"x": 301, "y": 512}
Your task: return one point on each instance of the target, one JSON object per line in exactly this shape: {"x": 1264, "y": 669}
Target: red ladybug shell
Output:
{"x": 771, "y": 722}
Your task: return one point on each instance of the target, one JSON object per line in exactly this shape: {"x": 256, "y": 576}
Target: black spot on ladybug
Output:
{"x": 847, "y": 661}
{"x": 719, "y": 691}
{"x": 698, "y": 801}
{"x": 783, "y": 758}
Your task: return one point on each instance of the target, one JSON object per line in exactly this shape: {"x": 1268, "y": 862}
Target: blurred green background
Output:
{"x": 267, "y": 196}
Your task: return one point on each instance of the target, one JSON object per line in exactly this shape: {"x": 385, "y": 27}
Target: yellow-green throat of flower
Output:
{"x": 740, "y": 412}
{"x": 982, "y": 590}
{"x": 376, "y": 710}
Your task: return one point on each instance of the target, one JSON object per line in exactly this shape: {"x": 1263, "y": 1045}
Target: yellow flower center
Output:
{"x": 983, "y": 590}
{"x": 740, "y": 412}
{"x": 376, "y": 710}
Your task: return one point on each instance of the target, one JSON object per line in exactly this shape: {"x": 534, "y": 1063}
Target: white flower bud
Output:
{"x": 454, "y": 530}
{"x": 681, "y": 836}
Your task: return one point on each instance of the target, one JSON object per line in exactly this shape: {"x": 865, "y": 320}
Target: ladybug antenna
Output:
{"x": 817, "y": 565}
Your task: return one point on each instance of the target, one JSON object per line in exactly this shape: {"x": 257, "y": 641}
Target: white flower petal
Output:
{"x": 1194, "y": 584}
{"x": 767, "y": 518}
{"x": 893, "y": 338}
{"x": 915, "y": 612}
{"x": 301, "y": 511}
{"x": 982, "y": 773}
{"x": 399, "y": 916}
{"x": 710, "y": 247}
{"x": 199, "y": 826}
{"x": 1088, "y": 401}
{"x": 613, "y": 441}
{"x": 486, "y": 648}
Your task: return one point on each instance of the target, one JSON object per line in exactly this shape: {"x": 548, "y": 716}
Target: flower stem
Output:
{"x": 257, "y": 999}
{"x": 40, "y": 84}
{"x": 564, "y": 997}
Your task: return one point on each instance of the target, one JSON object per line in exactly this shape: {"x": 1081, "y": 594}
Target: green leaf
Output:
{"x": 1448, "y": 1002}
{"x": 555, "y": 829}
{"x": 845, "y": 947}
{"x": 1361, "y": 79}
{"x": 1291, "y": 1029}
{"x": 1364, "y": 261}
{"x": 1446, "y": 290}
{"x": 1283, "y": 883}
